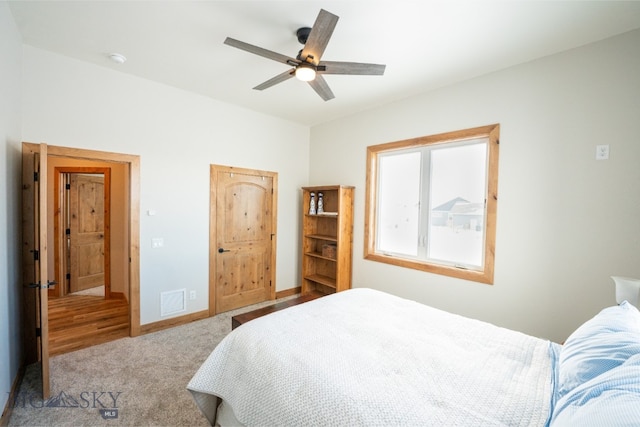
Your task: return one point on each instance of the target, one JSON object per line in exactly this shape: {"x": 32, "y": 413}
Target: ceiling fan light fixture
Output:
{"x": 305, "y": 73}
{"x": 307, "y": 64}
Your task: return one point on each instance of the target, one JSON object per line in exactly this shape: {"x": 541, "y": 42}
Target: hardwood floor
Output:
{"x": 79, "y": 321}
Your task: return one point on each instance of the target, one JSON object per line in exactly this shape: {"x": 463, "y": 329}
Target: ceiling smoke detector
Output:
{"x": 116, "y": 57}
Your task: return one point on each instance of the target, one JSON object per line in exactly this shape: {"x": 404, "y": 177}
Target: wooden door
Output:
{"x": 242, "y": 240}
{"x": 35, "y": 259}
{"x": 88, "y": 236}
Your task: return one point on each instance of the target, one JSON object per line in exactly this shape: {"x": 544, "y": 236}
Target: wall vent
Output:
{"x": 173, "y": 302}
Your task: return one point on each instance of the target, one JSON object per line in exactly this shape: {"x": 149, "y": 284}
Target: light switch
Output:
{"x": 602, "y": 152}
{"x": 157, "y": 242}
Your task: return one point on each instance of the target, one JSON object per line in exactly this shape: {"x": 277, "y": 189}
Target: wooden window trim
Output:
{"x": 492, "y": 132}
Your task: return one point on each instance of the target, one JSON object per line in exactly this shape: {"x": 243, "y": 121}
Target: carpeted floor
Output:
{"x": 132, "y": 381}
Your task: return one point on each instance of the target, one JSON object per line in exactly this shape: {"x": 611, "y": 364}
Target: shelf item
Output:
{"x": 327, "y": 240}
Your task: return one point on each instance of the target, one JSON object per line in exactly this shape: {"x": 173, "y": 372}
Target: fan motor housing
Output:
{"x": 303, "y": 34}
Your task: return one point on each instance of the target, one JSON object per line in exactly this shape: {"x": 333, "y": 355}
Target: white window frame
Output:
{"x": 483, "y": 273}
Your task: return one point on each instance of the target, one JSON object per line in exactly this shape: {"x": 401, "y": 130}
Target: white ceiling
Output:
{"x": 425, "y": 44}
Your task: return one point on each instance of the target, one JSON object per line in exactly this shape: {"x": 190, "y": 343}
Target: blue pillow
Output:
{"x": 610, "y": 399}
{"x": 599, "y": 345}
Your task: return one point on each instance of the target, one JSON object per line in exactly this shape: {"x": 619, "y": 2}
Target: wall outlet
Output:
{"x": 602, "y": 152}
{"x": 192, "y": 295}
{"x": 157, "y": 242}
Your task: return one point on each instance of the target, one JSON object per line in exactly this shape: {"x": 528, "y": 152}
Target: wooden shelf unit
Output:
{"x": 321, "y": 272}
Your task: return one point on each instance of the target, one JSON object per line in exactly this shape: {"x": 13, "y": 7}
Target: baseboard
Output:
{"x": 288, "y": 292}
{"x": 8, "y": 409}
{"x": 174, "y": 321}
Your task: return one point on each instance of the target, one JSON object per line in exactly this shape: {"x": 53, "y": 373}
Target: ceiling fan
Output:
{"x": 307, "y": 65}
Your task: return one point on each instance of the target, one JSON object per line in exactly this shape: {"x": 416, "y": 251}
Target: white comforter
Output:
{"x": 363, "y": 357}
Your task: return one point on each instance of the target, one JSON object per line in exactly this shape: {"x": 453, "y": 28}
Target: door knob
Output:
{"x": 220, "y": 250}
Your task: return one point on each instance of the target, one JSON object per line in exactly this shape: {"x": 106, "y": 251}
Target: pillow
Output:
{"x": 609, "y": 399}
{"x": 600, "y": 344}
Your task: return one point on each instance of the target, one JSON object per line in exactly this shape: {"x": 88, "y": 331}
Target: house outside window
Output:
{"x": 431, "y": 203}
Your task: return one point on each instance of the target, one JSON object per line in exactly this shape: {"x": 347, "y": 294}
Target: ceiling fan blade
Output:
{"x": 319, "y": 37}
{"x": 319, "y": 84}
{"x": 275, "y": 80}
{"x": 338, "y": 67}
{"x": 261, "y": 52}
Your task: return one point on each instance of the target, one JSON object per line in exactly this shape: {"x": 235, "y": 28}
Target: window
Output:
{"x": 431, "y": 203}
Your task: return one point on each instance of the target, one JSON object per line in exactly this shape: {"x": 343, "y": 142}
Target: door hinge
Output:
{"x": 67, "y": 231}
{"x": 35, "y": 176}
{"x": 38, "y": 332}
{"x": 36, "y": 255}
{"x": 68, "y": 276}
{"x": 67, "y": 186}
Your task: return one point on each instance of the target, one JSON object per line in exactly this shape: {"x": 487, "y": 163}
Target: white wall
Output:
{"x": 178, "y": 135}
{"x": 566, "y": 222}
{"x": 10, "y": 178}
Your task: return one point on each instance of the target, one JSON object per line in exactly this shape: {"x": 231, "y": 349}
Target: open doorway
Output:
{"x": 37, "y": 160}
{"x": 88, "y": 232}
{"x": 82, "y": 224}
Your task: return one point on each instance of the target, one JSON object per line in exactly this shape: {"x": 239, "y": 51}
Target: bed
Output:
{"x": 364, "y": 357}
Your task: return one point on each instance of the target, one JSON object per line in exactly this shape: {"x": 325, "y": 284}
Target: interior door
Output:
{"x": 87, "y": 231}
{"x": 243, "y": 237}
{"x": 35, "y": 259}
